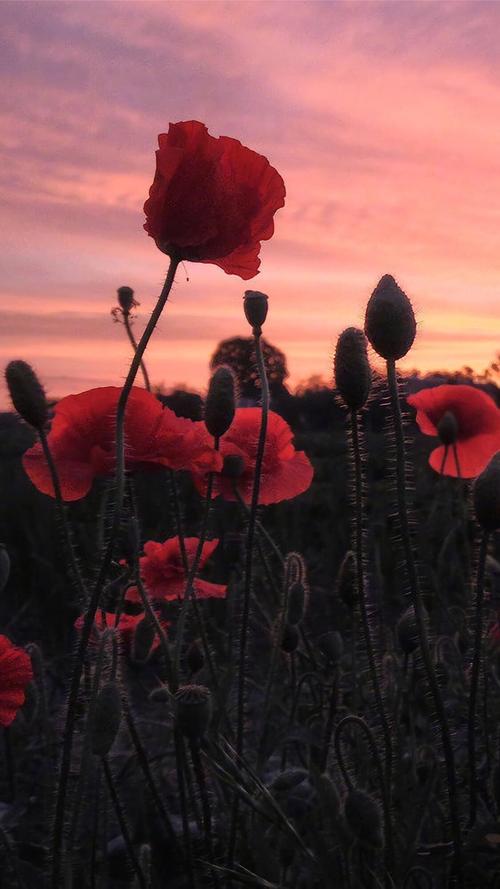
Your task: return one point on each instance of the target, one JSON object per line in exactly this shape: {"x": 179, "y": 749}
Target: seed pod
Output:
{"x": 195, "y": 657}
{"x": 486, "y": 495}
{"x": 297, "y": 602}
{"x": 332, "y": 646}
{"x": 255, "y": 306}
{"x": 193, "y": 709}
{"x": 220, "y": 401}
{"x": 447, "y": 428}
{"x": 126, "y": 299}
{"x": 27, "y": 394}
{"x": 353, "y": 376}
{"x": 289, "y": 639}
{"x": 144, "y": 636}
{"x": 328, "y": 795}
{"x": 233, "y": 466}
{"x": 362, "y": 814}
{"x": 107, "y": 718}
{"x": 407, "y": 631}
{"x": 4, "y": 567}
{"x": 390, "y": 322}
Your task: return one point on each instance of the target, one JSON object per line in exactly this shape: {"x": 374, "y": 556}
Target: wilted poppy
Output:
{"x": 82, "y": 440}
{"x": 127, "y": 625}
{"x": 477, "y": 435}
{"x": 15, "y": 674}
{"x": 285, "y": 471}
{"x": 212, "y": 200}
{"x": 162, "y": 570}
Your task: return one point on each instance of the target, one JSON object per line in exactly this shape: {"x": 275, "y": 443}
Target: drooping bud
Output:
{"x": 144, "y": 635}
{"x": 220, "y": 401}
{"x": 126, "y": 299}
{"x": 289, "y": 639}
{"x": 390, "y": 322}
{"x": 486, "y": 495}
{"x": 107, "y": 718}
{"x": 363, "y": 817}
{"x": 353, "y": 376}
{"x": 193, "y": 709}
{"x": 233, "y": 466}
{"x": 332, "y": 646}
{"x": 447, "y": 428}
{"x": 345, "y": 586}
{"x": 297, "y": 602}
{"x": 195, "y": 657}
{"x": 407, "y": 631}
{"x": 27, "y": 393}
{"x": 255, "y": 305}
{"x": 4, "y": 567}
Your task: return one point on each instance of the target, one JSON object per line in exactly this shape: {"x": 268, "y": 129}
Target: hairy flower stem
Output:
{"x": 416, "y": 597}
{"x": 199, "y": 772}
{"x": 186, "y": 833}
{"x": 123, "y": 824}
{"x": 386, "y": 804}
{"x": 474, "y": 683}
{"x": 133, "y": 343}
{"x": 69, "y": 727}
{"x": 360, "y": 582}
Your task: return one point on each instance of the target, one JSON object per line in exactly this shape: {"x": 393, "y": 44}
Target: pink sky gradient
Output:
{"x": 381, "y": 118}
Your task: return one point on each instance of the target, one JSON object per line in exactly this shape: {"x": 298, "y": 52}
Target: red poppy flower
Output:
{"x": 478, "y": 426}
{"x": 82, "y": 440}
{"x": 105, "y": 620}
{"x": 15, "y": 673}
{"x": 285, "y": 471}
{"x": 212, "y": 200}
{"x": 162, "y": 570}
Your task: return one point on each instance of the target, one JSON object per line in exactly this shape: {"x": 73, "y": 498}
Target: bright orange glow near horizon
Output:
{"x": 381, "y": 118}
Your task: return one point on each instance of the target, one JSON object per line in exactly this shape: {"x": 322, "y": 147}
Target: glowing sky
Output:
{"x": 381, "y": 117}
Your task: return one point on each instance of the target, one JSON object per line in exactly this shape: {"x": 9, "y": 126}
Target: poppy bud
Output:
{"x": 407, "y": 631}
{"x": 286, "y": 781}
{"x": 390, "y": 322}
{"x": 332, "y": 646}
{"x": 126, "y": 299}
{"x": 363, "y": 817}
{"x": 447, "y": 428}
{"x": 220, "y": 402}
{"x": 297, "y": 598}
{"x": 27, "y": 393}
{"x": 486, "y": 495}
{"x": 107, "y": 718}
{"x": 328, "y": 795}
{"x": 195, "y": 657}
{"x": 233, "y": 466}
{"x": 289, "y": 639}
{"x": 144, "y": 635}
{"x": 255, "y": 306}
{"x": 353, "y": 376}
{"x": 4, "y": 567}
{"x": 160, "y": 695}
{"x": 193, "y": 708}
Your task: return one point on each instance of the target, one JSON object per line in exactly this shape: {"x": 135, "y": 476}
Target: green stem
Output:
{"x": 416, "y": 597}
{"x": 474, "y": 683}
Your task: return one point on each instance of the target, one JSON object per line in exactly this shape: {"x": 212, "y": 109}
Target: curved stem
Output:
{"x": 123, "y": 824}
{"x": 205, "y": 803}
{"x": 474, "y": 683}
{"x": 386, "y": 805}
{"x": 416, "y": 597}
{"x": 133, "y": 343}
{"x": 70, "y": 721}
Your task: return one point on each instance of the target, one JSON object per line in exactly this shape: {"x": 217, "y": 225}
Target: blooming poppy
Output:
{"x": 212, "y": 200}
{"x": 285, "y": 471}
{"x": 15, "y": 674}
{"x": 82, "y": 440}
{"x": 477, "y": 420}
{"x": 162, "y": 570}
{"x": 127, "y": 625}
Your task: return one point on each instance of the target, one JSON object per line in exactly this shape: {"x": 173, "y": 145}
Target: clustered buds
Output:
{"x": 362, "y": 814}
{"x": 107, "y": 718}
{"x": 27, "y": 394}
{"x": 193, "y": 710}
{"x": 390, "y": 321}
{"x": 220, "y": 401}
{"x": 486, "y": 495}
{"x": 447, "y": 428}
{"x": 353, "y": 376}
{"x": 255, "y": 307}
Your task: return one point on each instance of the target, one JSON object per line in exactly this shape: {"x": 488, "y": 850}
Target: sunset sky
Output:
{"x": 382, "y": 118}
